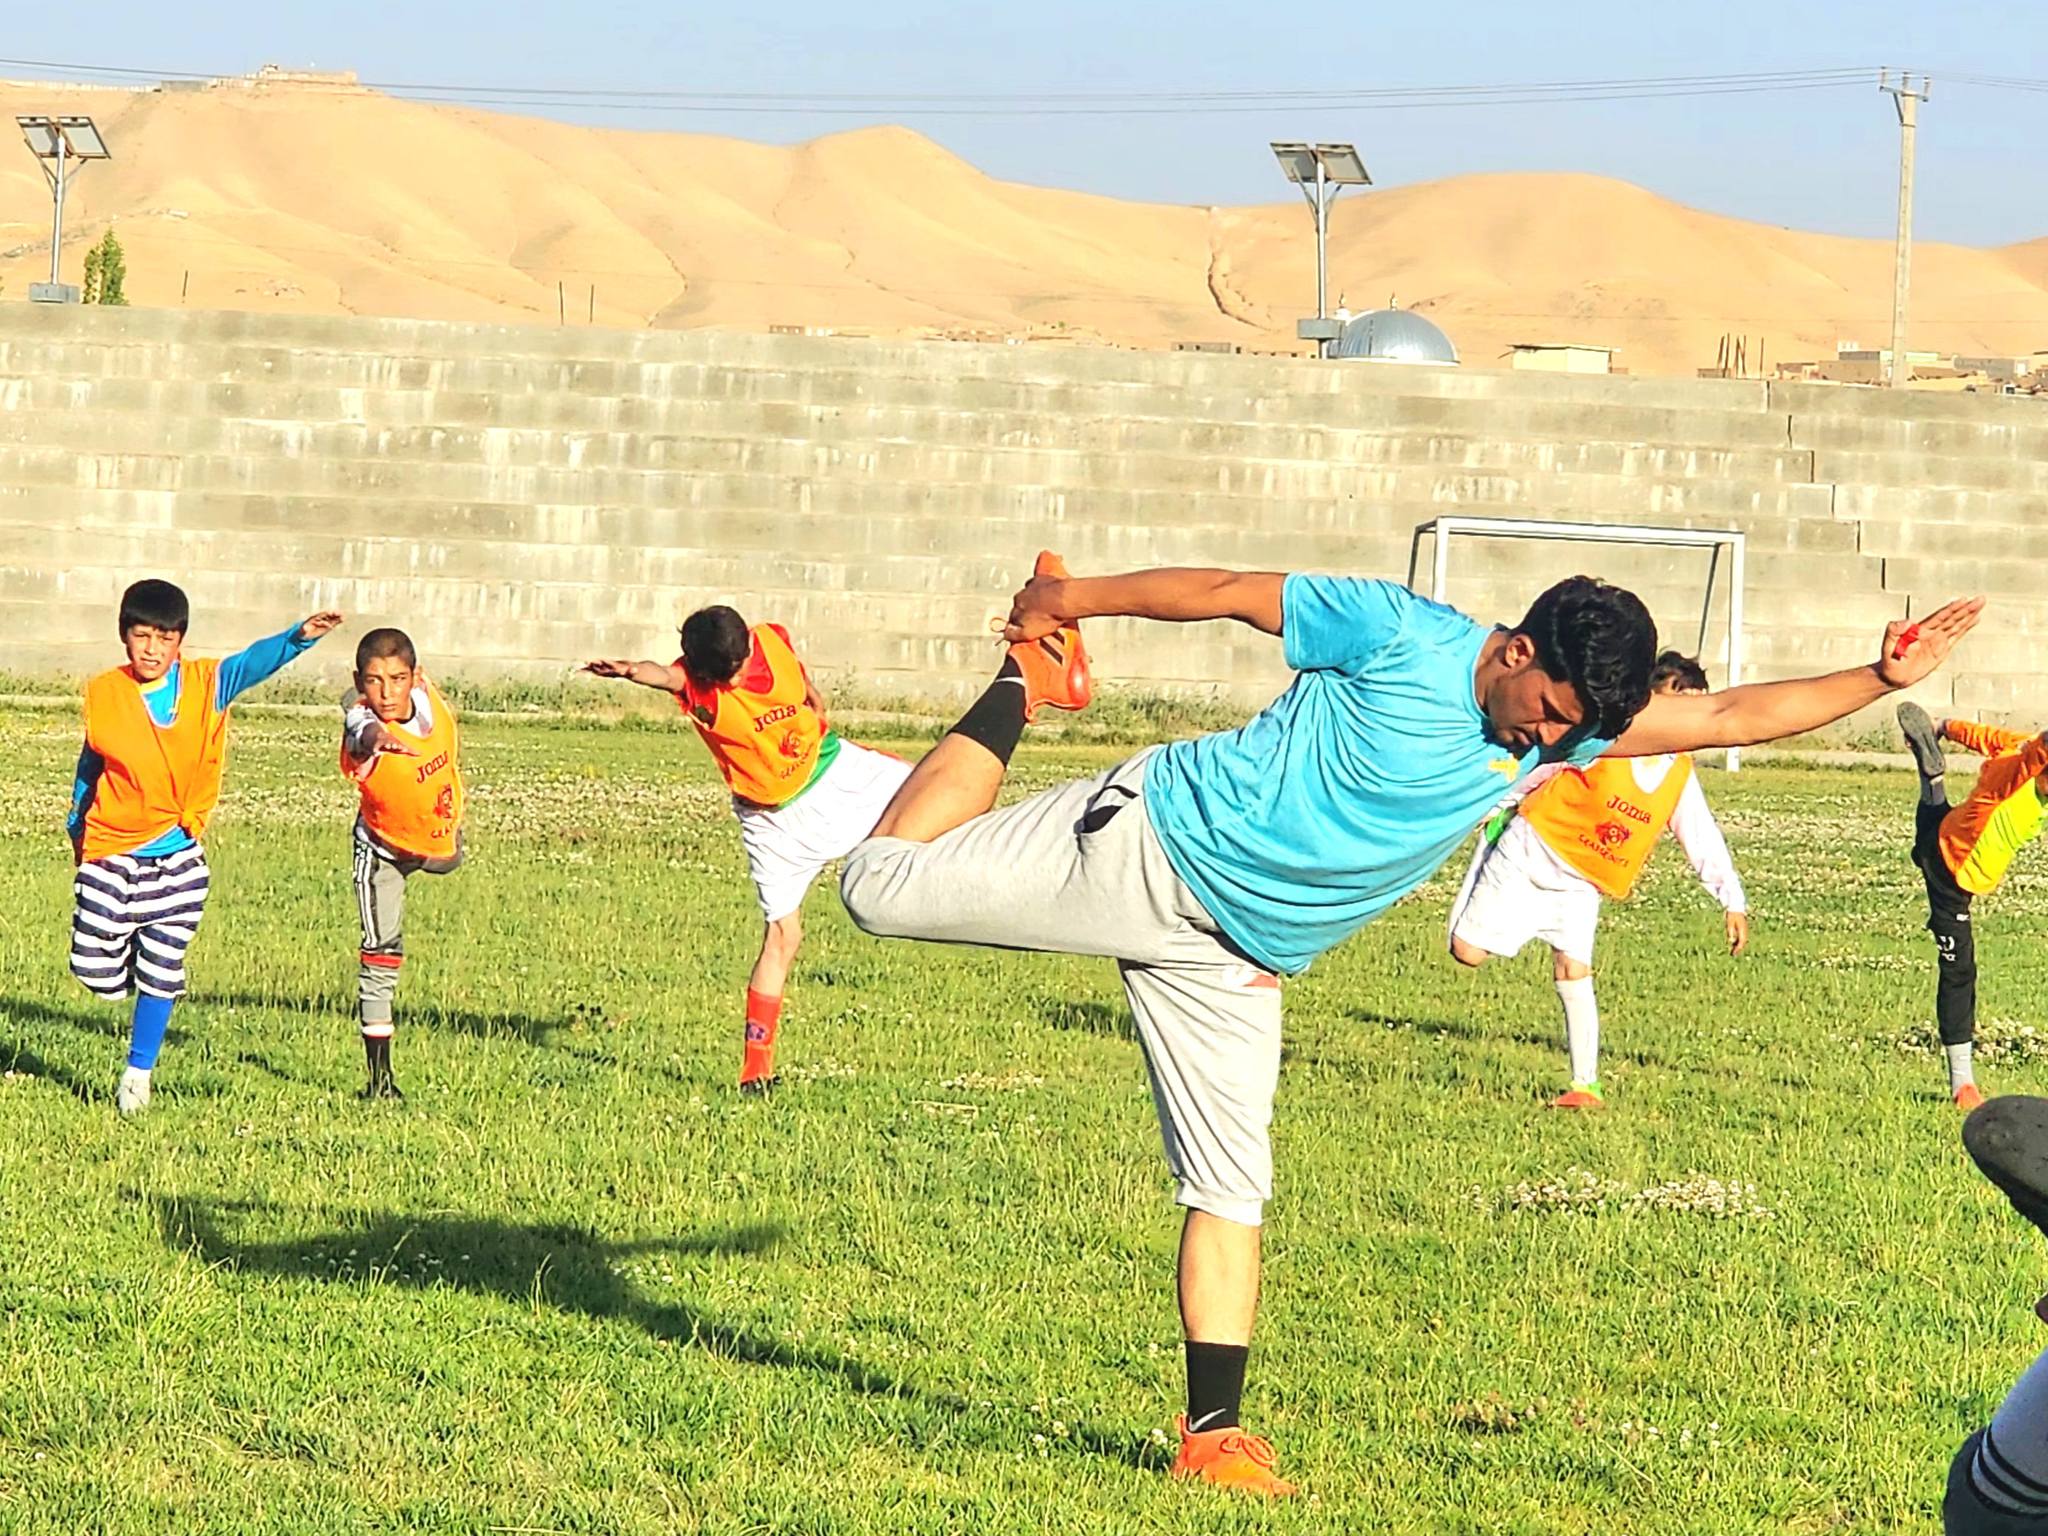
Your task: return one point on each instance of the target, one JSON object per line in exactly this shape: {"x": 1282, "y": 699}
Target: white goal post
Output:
{"x": 1714, "y": 540}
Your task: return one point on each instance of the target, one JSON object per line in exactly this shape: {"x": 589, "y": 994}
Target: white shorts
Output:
{"x": 1516, "y": 890}
{"x": 788, "y": 844}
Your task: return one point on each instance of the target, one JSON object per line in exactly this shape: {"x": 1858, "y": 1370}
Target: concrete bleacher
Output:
{"x": 522, "y": 499}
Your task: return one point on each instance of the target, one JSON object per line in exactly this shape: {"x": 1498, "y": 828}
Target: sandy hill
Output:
{"x": 293, "y": 197}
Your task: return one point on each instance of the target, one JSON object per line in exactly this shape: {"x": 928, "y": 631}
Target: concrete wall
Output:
{"x": 521, "y": 499}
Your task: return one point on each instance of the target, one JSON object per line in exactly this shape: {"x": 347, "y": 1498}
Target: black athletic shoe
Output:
{"x": 2008, "y": 1139}
{"x": 759, "y": 1087}
{"x": 1922, "y": 741}
{"x": 381, "y": 1086}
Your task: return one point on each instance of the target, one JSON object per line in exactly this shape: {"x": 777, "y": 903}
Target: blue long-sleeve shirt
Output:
{"x": 238, "y": 674}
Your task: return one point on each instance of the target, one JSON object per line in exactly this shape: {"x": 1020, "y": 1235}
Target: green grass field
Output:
{"x": 575, "y": 1283}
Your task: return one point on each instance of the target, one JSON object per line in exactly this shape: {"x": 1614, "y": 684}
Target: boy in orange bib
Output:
{"x": 149, "y": 776}
{"x": 401, "y": 745}
{"x": 1582, "y": 835}
{"x": 1965, "y": 853}
{"x": 803, "y": 794}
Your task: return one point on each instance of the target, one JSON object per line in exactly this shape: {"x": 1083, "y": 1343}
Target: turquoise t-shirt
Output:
{"x": 1347, "y": 791}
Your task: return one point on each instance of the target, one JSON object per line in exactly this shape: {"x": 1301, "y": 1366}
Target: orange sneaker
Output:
{"x": 1580, "y": 1096}
{"x": 1968, "y": 1098}
{"x": 1229, "y": 1458}
{"x": 1055, "y": 667}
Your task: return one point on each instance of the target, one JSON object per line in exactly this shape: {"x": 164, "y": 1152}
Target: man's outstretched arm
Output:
{"x": 1176, "y": 595}
{"x": 1756, "y": 712}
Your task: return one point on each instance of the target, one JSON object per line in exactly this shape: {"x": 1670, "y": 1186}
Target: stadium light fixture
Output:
{"x": 1321, "y": 170}
{"x": 56, "y": 142}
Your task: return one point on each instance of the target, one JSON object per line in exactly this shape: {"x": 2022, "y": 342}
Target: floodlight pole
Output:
{"x": 1322, "y": 247}
{"x": 57, "y": 219}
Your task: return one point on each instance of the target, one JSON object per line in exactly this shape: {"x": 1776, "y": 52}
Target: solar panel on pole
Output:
{"x": 56, "y": 141}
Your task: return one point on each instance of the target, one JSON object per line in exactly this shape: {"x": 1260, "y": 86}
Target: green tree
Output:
{"x": 106, "y": 271}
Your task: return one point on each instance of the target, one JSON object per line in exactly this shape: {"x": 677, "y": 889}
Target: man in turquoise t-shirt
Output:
{"x": 1208, "y": 869}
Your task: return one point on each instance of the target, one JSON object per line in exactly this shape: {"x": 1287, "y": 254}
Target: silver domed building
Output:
{"x": 1394, "y": 336}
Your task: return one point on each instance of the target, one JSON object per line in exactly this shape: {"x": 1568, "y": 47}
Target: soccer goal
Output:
{"x": 1442, "y": 530}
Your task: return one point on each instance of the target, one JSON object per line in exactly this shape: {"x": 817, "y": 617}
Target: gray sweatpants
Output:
{"x": 1079, "y": 870}
{"x": 380, "y": 876}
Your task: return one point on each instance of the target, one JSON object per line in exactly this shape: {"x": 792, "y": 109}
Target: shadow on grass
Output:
{"x": 1439, "y": 1026}
{"x": 13, "y": 1058}
{"x": 103, "y": 1021}
{"x": 569, "y": 1268}
{"x": 462, "y": 1021}
{"x": 108, "y": 1019}
{"x": 1089, "y": 1017}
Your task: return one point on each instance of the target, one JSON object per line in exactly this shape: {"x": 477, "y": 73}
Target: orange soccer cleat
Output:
{"x": 1580, "y": 1096}
{"x": 1055, "y": 666}
{"x": 1968, "y": 1098}
{"x": 1228, "y": 1458}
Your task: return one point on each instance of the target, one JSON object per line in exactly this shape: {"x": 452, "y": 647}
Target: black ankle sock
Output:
{"x": 1934, "y": 791}
{"x": 996, "y": 719}
{"x": 1215, "y": 1384}
{"x": 377, "y": 1053}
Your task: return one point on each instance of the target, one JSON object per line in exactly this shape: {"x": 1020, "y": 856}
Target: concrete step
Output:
{"x": 1959, "y": 575}
{"x": 139, "y": 415}
{"x": 744, "y": 514}
{"x": 1968, "y": 513}
{"x": 1160, "y": 488}
{"x": 1520, "y": 416}
{"x": 2004, "y": 698}
{"x": 1872, "y": 404}
{"x": 1940, "y": 436}
{"x": 1911, "y": 537}
{"x": 2021, "y": 476}
{"x": 141, "y": 330}
{"x": 1102, "y": 486}
{"x": 1824, "y": 648}
{"x": 1672, "y": 582}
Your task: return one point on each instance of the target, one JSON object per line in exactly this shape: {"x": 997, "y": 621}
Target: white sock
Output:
{"x": 1581, "y": 1029}
{"x": 1959, "y": 1071}
{"x": 2011, "y": 1465}
{"x": 133, "y": 1094}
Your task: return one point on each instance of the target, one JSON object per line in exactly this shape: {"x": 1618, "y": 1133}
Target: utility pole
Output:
{"x": 1907, "y": 99}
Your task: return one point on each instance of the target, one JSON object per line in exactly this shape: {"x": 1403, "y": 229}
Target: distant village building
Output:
{"x": 1561, "y": 357}
{"x": 1856, "y": 364}
{"x": 2004, "y": 369}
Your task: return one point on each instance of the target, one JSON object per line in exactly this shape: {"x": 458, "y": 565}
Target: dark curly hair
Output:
{"x": 715, "y": 645}
{"x": 1601, "y": 640}
{"x": 1677, "y": 667}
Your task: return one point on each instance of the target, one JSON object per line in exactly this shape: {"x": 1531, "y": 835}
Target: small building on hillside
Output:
{"x": 1561, "y": 357}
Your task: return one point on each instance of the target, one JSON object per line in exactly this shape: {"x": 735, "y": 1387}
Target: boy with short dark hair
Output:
{"x": 401, "y": 745}
{"x": 147, "y": 782}
{"x": 803, "y": 794}
{"x": 1963, "y": 854}
{"x": 1583, "y": 834}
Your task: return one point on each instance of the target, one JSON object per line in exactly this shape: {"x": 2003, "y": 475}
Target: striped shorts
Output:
{"x": 133, "y": 919}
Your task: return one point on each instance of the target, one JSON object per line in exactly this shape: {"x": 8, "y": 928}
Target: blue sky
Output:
{"x": 1819, "y": 159}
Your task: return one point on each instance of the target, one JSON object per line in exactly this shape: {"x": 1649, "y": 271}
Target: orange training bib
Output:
{"x": 1602, "y": 823}
{"x": 157, "y": 776}
{"x": 763, "y": 736}
{"x": 414, "y": 804}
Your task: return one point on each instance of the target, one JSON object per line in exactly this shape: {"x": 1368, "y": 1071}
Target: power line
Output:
{"x": 1053, "y": 103}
